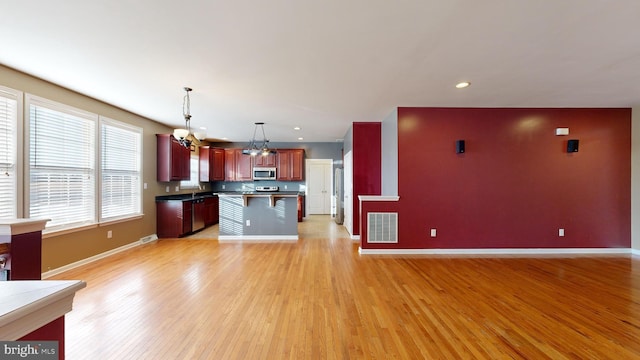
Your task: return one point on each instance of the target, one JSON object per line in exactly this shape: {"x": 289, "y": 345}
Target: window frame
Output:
{"x": 103, "y": 120}
{"x": 194, "y": 181}
{"x": 33, "y": 100}
{"x": 16, "y": 155}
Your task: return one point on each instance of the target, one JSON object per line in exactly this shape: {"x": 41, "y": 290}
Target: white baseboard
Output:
{"x": 525, "y": 252}
{"x": 635, "y": 252}
{"x": 91, "y": 259}
{"x": 355, "y": 237}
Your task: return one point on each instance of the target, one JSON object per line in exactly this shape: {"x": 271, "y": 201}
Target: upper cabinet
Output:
{"x": 269, "y": 160}
{"x": 173, "y": 159}
{"x": 238, "y": 167}
{"x": 290, "y": 165}
{"x": 211, "y": 164}
{"x": 231, "y": 164}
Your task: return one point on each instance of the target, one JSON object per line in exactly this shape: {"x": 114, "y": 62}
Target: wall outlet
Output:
{"x": 248, "y": 222}
{"x": 224, "y": 186}
{"x": 144, "y": 186}
{"x": 560, "y": 232}
{"x": 433, "y": 232}
{"x": 109, "y": 234}
{"x": 167, "y": 189}
{"x": 177, "y": 188}
{"x": 285, "y": 187}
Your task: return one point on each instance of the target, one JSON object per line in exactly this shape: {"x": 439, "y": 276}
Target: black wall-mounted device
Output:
{"x": 572, "y": 145}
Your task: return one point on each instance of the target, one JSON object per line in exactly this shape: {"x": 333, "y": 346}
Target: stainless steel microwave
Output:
{"x": 264, "y": 173}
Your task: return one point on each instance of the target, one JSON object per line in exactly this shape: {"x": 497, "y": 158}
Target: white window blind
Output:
{"x": 121, "y": 154}
{"x": 8, "y": 126}
{"x": 62, "y": 167}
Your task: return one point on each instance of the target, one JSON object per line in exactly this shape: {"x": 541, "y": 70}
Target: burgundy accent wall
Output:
{"x": 26, "y": 256}
{"x": 367, "y": 164}
{"x": 515, "y": 185}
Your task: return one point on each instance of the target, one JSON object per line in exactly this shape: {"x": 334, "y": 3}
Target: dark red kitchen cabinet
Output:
{"x": 297, "y": 165}
{"x": 173, "y": 218}
{"x": 238, "y": 166}
{"x": 211, "y": 205}
{"x": 173, "y": 159}
{"x": 268, "y": 160}
{"x": 290, "y": 165}
{"x": 211, "y": 162}
{"x": 283, "y": 172}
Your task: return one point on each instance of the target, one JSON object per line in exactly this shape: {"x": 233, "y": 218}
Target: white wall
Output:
{"x": 635, "y": 178}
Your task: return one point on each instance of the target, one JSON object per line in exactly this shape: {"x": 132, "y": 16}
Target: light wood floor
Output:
{"x": 318, "y": 299}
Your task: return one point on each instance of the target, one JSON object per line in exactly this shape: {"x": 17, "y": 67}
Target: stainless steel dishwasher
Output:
{"x": 197, "y": 215}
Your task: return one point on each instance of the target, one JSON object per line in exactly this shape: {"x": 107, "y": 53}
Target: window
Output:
{"x": 121, "y": 153}
{"x": 9, "y": 101}
{"x": 194, "y": 180}
{"x": 62, "y": 169}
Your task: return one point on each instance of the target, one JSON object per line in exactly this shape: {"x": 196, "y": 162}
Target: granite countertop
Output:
{"x": 202, "y": 195}
{"x": 265, "y": 193}
{"x": 186, "y": 197}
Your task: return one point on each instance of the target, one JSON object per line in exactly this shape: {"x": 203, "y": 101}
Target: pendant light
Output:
{"x": 184, "y": 135}
{"x": 257, "y": 146}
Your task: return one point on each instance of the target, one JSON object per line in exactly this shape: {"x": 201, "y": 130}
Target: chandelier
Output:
{"x": 257, "y": 146}
{"x": 185, "y": 136}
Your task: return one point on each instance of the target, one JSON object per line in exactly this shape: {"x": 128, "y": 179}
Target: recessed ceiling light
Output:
{"x": 296, "y": 128}
{"x": 300, "y": 138}
{"x": 225, "y": 138}
{"x": 462, "y": 85}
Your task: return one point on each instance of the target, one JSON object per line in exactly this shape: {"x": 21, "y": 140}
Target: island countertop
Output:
{"x": 257, "y": 194}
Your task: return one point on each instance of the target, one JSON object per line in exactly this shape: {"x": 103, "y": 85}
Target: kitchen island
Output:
{"x": 258, "y": 215}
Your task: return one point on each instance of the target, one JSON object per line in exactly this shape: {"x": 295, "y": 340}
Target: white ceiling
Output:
{"x": 323, "y": 64}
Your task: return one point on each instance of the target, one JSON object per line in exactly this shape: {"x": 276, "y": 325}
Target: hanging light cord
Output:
{"x": 186, "y": 108}
{"x": 264, "y": 137}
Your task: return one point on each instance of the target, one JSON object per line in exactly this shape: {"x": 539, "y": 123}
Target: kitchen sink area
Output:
{"x": 183, "y": 214}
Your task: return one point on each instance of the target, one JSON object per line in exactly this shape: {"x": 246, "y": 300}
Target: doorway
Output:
{"x": 319, "y": 186}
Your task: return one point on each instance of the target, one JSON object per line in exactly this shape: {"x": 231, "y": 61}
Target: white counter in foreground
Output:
{"x": 26, "y": 306}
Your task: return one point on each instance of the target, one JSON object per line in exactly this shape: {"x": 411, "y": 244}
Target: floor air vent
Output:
{"x": 382, "y": 228}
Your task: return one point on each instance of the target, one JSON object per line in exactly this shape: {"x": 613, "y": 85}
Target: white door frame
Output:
{"x": 348, "y": 194}
{"x": 307, "y": 177}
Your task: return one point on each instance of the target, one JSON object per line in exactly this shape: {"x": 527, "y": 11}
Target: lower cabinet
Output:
{"x": 173, "y": 218}
{"x": 300, "y": 207}
{"x": 211, "y": 211}
{"x": 177, "y": 218}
